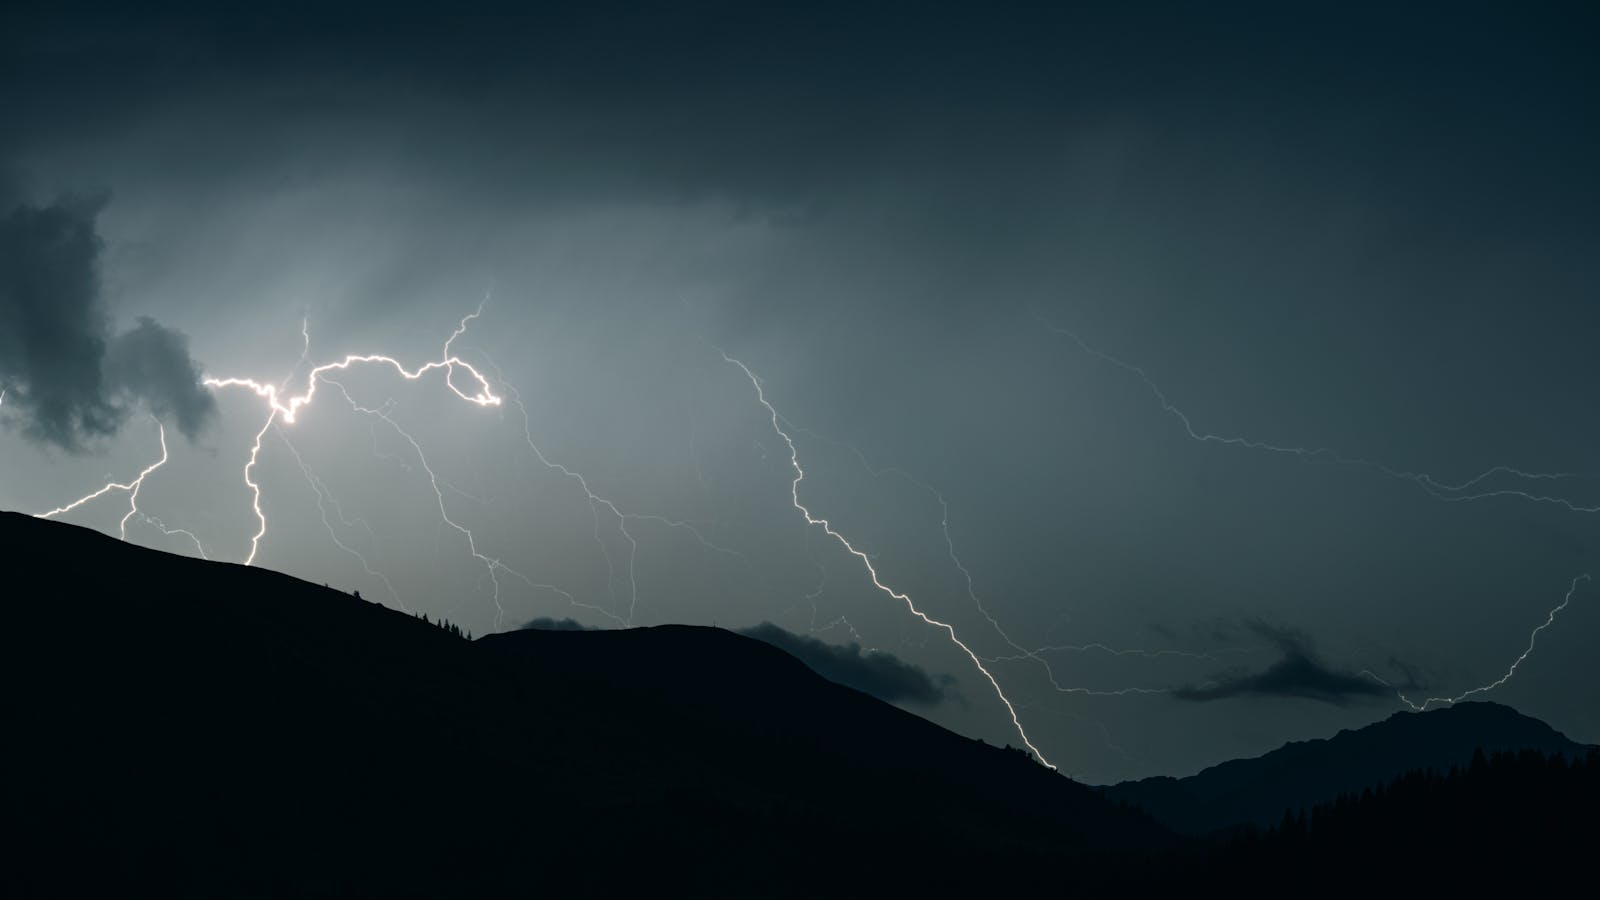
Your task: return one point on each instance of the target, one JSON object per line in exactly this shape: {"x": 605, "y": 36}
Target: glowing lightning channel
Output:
{"x": 794, "y": 496}
{"x": 324, "y": 500}
{"x": 288, "y": 409}
{"x": 1096, "y": 647}
{"x": 1459, "y": 492}
{"x": 492, "y": 565}
{"x": 514, "y": 397}
{"x": 131, "y": 487}
{"x": 1512, "y": 670}
{"x": 1022, "y": 653}
{"x": 1439, "y": 490}
{"x": 175, "y": 532}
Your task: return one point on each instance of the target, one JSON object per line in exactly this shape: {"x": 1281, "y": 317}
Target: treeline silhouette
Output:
{"x": 1505, "y": 819}
{"x": 441, "y": 622}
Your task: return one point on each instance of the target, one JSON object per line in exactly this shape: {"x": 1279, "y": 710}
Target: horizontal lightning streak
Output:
{"x": 288, "y": 410}
{"x": 1439, "y": 490}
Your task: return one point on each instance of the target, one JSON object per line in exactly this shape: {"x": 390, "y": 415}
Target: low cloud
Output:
{"x": 62, "y": 367}
{"x": 545, "y": 623}
{"x": 883, "y": 675}
{"x": 1298, "y": 672}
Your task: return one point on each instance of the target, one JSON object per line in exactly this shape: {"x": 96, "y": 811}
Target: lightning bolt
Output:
{"x": 492, "y": 565}
{"x": 1533, "y": 638}
{"x": 1448, "y": 492}
{"x": 596, "y": 501}
{"x": 324, "y": 500}
{"x": 1022, "y": 653}
{"x": 131, "y": 488}
{"x": 288, "y": 409}
{"x": 1096, "y": 647}
{"x": 174, "y": 532}
{"x": 1463, "y": 491}
{"x": 866, "y": 561}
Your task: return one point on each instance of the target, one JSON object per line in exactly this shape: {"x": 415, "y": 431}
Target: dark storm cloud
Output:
{"x": 545, "y": 623}
{"x": 1298, "y": 673}
{"x": 60, "y": 363}
{"x": 153, "y": 362}
{"x": 883, "y": 675}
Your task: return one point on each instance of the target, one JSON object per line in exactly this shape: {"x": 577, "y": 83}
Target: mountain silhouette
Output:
{"x": 183, "y": 728}
{"x": 187, "y": 728}
{"x": 1302, "y": 774}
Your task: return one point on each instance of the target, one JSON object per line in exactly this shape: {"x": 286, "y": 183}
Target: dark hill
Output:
{"x": 1304, "y": 773}
{"x": 190, "y": 728}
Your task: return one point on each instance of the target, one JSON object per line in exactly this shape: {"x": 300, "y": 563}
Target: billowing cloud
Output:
{"x": 883, "y": 675}
{"x": 1299, "y": 672}
{"x": 61, "y": 365}
{"x": 545, "y": 623}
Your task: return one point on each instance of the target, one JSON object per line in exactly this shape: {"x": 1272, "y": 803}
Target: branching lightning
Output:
{"x": 596, "y": 501}
{"x": 1439, "y": 490}
{"x": 131, "y": 488}
{"x": 288, "y": 409}
{"x": 325, "y": 499}
{"x": 1463, "y": 491}
{"x": 174, "y": 532}
{"x": 1022, "y": 653}
{"x": 492, "y": 565}
{"x": 866, "y": 561}
{"x": 469, "y": 383}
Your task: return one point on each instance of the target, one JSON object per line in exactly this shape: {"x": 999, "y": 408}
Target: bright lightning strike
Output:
{"x": 288, "y": 409}
{"x": 794, "y": 495}
{"x": 132, "y": 488}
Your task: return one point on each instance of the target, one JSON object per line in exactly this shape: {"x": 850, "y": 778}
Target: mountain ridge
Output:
{"x": 1256, "y": 790}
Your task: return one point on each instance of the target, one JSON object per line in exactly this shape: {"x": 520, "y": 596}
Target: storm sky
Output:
{"x": 998, "y": 273}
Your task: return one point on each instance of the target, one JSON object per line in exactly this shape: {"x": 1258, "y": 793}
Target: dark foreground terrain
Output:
{"x": 182, "y": 728}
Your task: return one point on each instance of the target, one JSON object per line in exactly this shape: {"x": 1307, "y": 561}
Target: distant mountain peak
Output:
{"x": 1301, "y": 773}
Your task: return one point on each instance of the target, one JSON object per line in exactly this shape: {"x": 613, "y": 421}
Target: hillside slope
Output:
{"x": 201, "y": 728}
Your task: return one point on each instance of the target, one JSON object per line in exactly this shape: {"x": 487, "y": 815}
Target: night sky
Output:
{"x": 1176, "y": 329}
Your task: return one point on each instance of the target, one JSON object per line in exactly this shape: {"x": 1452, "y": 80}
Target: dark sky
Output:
{"x": 1364, "y": 229}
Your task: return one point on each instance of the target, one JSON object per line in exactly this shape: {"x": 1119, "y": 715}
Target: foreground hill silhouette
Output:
{"x": 191, "y": 728}
{"x": 1301, "y": 774}
{"x": 181, "y": 728}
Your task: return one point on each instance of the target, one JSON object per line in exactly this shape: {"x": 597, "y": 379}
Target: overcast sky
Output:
{"x": 998, "y": 273}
